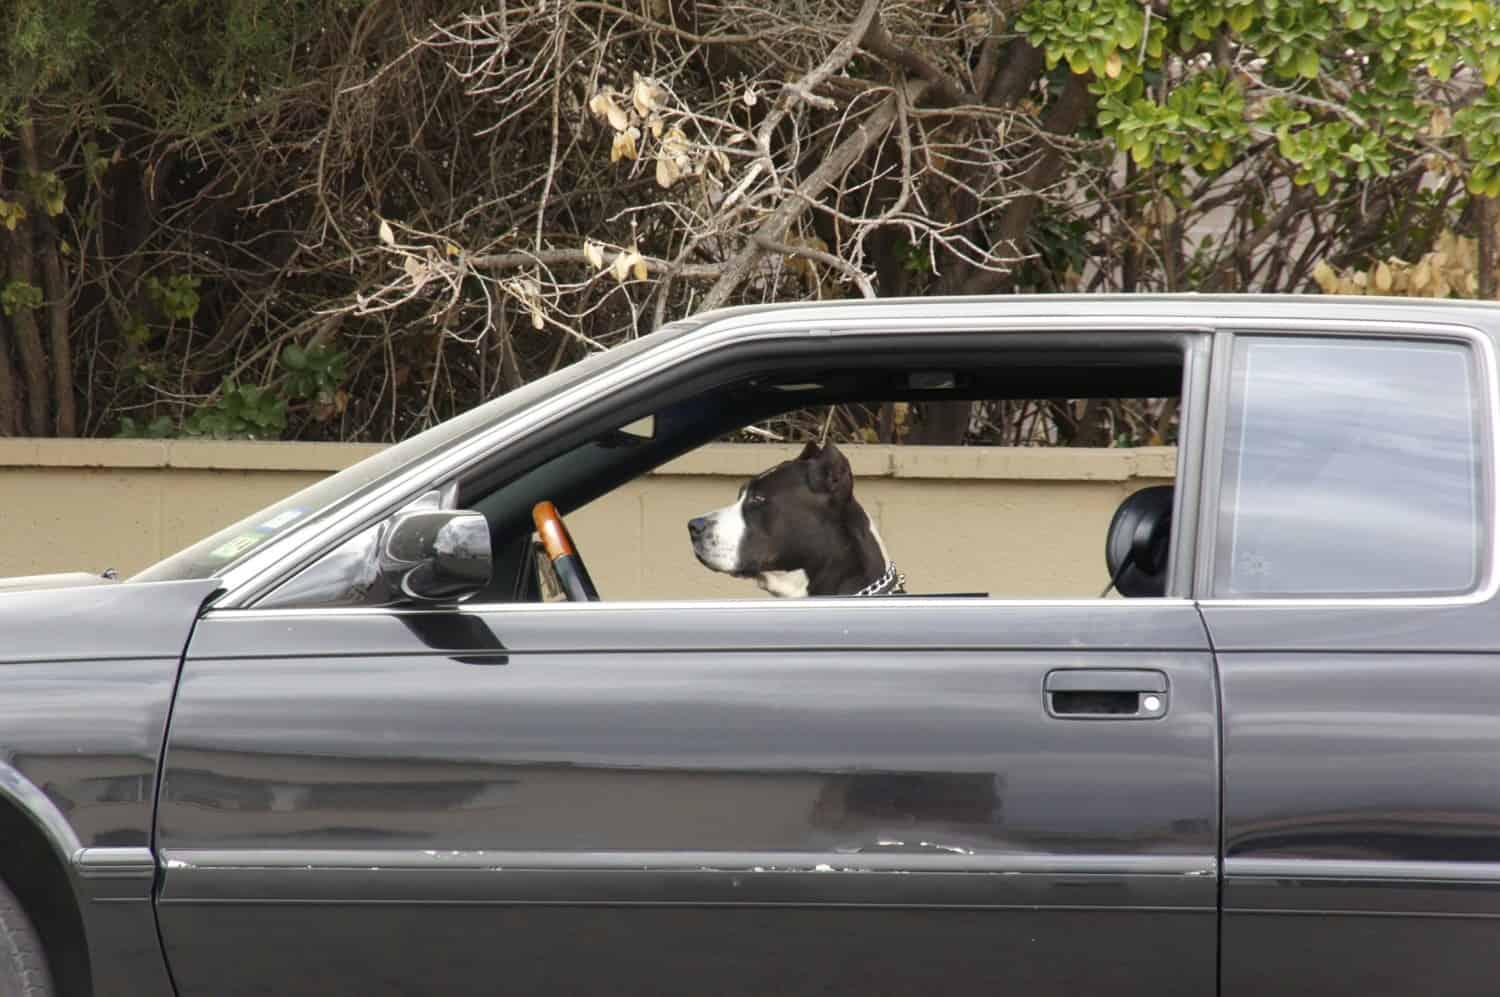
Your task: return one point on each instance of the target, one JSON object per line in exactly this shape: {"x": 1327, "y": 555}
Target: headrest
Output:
{"x": 1135, "y": 550}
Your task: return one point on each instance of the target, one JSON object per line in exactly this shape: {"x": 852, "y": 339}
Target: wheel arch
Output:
{"x": 35, "y": 862}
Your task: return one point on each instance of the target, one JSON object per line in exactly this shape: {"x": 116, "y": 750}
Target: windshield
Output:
{"x": 217, "y": 553}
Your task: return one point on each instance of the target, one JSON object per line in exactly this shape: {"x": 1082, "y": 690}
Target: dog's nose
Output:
{"x": 696, "y": 526}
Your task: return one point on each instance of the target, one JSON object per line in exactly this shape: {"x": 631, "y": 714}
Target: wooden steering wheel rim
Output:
{"x": 576, "y": 583}
{"x": 549, "y": 526}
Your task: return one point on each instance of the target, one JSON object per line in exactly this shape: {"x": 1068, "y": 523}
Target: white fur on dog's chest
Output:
{"x": 784, "y": 584}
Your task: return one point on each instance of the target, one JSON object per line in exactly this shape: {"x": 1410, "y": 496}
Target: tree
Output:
{"x": 114, "y": 207}
{"x": 380, "y": 213}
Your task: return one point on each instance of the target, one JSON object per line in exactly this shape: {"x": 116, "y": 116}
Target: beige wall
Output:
{"x": 1011, "y": 522}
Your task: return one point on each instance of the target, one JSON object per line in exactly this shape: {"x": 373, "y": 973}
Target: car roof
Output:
{"x": 1100, "y": 309}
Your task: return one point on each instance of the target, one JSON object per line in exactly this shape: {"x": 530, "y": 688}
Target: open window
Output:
{"x": 1059, "y": 455}
{"x": 1003, "y": 470}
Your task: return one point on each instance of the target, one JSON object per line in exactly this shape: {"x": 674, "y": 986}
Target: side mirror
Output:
{"x": 438, "y": 555}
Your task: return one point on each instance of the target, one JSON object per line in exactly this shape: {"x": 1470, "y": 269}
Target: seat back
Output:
{"x": 1137, "y": 545}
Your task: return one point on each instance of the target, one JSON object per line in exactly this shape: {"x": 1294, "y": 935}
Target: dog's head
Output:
{"x": 781, "y": 520}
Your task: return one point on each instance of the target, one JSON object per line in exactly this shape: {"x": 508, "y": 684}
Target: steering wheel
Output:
{"x": 575, "y": 579}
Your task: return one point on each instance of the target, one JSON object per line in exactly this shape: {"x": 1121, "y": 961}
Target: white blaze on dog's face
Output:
{"x": 716, "y": 542}
{"x": 779, "y": 527}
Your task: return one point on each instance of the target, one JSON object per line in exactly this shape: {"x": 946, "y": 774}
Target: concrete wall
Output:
{"x": 1011, "y": 522}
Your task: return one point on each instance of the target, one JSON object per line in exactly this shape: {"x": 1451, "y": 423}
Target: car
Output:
{"x": 387, "y": 737}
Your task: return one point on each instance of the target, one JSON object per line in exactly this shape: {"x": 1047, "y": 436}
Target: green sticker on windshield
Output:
{"x": 234, "y": 548}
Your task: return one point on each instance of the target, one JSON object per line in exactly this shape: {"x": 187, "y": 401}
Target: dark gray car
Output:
{"x": 347, "y": 746}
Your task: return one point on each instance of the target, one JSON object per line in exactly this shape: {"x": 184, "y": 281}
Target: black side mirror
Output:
{"x": 439, "y": 555}
{"x": 1137, "y": 545}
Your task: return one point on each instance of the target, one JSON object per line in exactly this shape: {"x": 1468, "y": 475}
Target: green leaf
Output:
{"x": 19, "y": 295}
{"x": 12, "y": 213}
{"x": 294, "y": 357}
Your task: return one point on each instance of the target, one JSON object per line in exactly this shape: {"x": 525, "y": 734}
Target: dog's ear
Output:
{"x": 829, "y": 471}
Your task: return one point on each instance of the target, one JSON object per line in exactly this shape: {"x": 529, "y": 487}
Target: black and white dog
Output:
{"x": 798, "y": 531}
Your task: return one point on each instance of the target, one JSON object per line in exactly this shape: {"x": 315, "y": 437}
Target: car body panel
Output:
{"x": 87, "y": 675}
{"x": 1361, "y": 792}
{"x": 708, "y": 784}
{"x": 1362, "y": 802}
{"x": 86, "y": 679}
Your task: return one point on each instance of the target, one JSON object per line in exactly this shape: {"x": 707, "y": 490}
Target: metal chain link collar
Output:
{"x": 892, "y": 582}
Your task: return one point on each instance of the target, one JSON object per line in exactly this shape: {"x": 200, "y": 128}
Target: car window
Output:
{"x": 1351, "y": 467}
{"x": 975, "y": 482}
{"x": 968, "y": 475}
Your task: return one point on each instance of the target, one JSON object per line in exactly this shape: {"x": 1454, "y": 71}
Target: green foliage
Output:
{"x": 1060, "y": 241}
{"x": 1097, "y": 36}
{"x": 188, "y": 63}
{"x": 159, "y": 428}
{"x": 144, "y": 372}
{"x": 94, "y": 163}
{"x": 47, "y": 41}
{"x": 1345, "y": 87}
{"x": 914, "y": 259}
{"x": 1479, "y": 123}
{"x": 46, "y": 191}
{"x": 17, "y": 295}
{"x": 177, "y": 296}
{"x": 137, "y": 332}
{"x": 314, "y": 374}
{"x": 1292, "y": 36}
{"x": 246, "y": 411}
{"x": 12, "y": 213}
{"x": 1200, "y": 125}
{"x": 242, "y": 412}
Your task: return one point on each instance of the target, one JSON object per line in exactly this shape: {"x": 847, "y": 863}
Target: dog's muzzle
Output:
{"x": 716, "y": 539}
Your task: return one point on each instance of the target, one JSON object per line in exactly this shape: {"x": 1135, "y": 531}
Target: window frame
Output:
{"x": 1481, "y": 349}
{"x": 1193, "y": 338}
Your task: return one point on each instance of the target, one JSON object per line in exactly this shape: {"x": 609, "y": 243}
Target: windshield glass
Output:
{"x": 217, "y": 553}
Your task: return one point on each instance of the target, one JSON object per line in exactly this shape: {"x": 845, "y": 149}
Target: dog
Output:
{"x": 798, "y": 531}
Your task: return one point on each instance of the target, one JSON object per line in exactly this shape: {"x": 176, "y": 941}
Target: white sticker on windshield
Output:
{"x": 285, "y": 518}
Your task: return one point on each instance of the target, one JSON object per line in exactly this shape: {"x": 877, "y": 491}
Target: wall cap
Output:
{"x": 736, "y": 460}
{"x": 975, "y": 463}
{"x": 213, "y": 455}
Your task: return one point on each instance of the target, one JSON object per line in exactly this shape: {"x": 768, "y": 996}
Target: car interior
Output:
{"x": 1137, "y": 545}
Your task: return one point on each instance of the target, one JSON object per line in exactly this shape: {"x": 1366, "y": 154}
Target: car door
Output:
{"x": 840, "y": 796}
{"x": 1351, "y": 574}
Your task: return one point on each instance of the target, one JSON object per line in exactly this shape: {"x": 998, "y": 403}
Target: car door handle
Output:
{"x": 1105, "y": 693}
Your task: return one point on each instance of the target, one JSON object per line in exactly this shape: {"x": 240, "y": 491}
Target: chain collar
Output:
{"x": 892, "y": 582}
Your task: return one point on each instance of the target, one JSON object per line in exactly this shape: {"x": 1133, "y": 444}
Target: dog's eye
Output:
{"x": 753, "y": 499}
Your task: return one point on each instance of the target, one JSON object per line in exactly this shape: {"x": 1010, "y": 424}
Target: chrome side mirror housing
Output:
{"x": 436, "y": 555}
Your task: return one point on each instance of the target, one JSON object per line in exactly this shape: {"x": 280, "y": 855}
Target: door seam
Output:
{"x": 158, "y": 873}
{"x": 1218, "y": 801}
